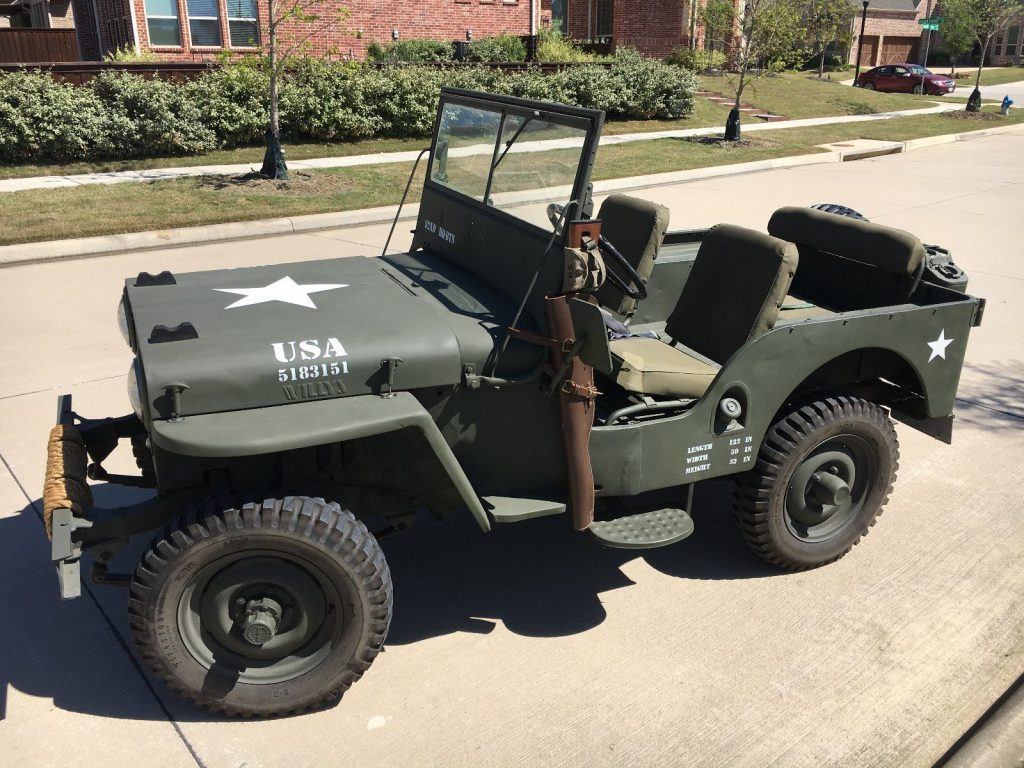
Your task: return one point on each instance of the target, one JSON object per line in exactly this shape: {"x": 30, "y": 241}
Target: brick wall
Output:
{"x": 61, "y": 15}
{"x": 655, "y": 27}
{"x": 366, "y": 22}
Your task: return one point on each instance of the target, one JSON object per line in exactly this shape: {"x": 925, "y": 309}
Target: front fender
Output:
{"x": 280, "y": 428}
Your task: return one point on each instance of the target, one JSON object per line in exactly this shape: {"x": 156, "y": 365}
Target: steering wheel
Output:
{"x": 554, "y": 211}
{"x": 609, "y": 251}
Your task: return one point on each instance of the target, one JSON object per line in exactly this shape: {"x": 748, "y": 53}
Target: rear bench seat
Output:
{"x": 845, "y": 263}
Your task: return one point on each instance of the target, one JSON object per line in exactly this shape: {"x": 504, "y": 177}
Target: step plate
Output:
{"x": 657, "y": 528}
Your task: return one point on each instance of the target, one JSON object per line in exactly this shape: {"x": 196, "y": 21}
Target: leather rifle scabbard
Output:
{"x": 576, "y": 396}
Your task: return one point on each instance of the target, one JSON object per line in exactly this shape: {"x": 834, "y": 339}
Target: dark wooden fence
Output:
{"x": 80, "y": 72}
{"x": 29, "y": 45}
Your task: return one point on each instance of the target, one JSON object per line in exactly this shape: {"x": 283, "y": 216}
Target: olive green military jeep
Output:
{"x": 524, "y": 358}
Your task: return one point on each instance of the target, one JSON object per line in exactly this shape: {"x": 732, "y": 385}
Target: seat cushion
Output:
{"x": 797, "y": 309}
{"x": 636, "y": 228}
{"x": 652, "y": 367}
{"x": 734, "y": 291}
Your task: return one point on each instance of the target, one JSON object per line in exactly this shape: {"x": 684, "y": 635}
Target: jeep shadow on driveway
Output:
{"x": 523, "y": 359}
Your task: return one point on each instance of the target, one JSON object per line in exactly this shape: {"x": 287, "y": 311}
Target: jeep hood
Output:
{"x": 284, "y": 333}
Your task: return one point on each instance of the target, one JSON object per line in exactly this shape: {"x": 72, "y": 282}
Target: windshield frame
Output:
{"x": 588, "y": 120}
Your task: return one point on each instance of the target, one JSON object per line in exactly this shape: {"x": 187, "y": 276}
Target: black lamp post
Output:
{"x": 860, "y": 41}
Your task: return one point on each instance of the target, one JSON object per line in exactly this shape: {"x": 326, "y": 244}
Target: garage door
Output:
{"x": 869, "y": 51}
{"x": 896, "y": 50}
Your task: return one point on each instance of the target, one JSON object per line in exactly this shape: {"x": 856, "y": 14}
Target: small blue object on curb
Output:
{"x": 1004, "y": 109}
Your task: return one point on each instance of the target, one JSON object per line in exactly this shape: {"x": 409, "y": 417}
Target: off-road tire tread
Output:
{"x": 752, "y": 490}
{"x": 325, "y": 523}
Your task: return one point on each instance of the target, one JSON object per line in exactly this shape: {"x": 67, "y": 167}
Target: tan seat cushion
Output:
{"x": 797, "y": 309}
{"x": 652, "y": 367}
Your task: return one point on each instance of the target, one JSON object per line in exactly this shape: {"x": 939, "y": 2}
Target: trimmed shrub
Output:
{"x": 696, "y": 60}
{"x": 411, "y": 51}
{"x": 123, "y": 115}
{"x": 553, "y": 47}
{"x": 151, "y": 117}
{"x": 48, "y": 121}
{"x": 234, "y": 102}
{"x": 501, "y": 48}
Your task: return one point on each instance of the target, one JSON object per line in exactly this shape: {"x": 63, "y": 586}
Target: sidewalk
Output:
{"x": 161, "y": 174}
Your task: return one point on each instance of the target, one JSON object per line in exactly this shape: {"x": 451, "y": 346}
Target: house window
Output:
{"x": 243, "y": 24}
{"x": 204, "y": 23}
{"x": 558, "y": 16}
{"x": 1012, "y": 36}
{"x": 605, "y": 18}
{"x": 162, "y": 22}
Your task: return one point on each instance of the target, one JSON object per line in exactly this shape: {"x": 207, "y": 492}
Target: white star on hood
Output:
{"x": 939, "y": 346}
{"x": 285, "y": 290}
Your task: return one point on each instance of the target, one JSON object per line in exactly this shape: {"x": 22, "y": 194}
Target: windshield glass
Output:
{"x": 516, "y": 163}
{"x": 917, "y": 70}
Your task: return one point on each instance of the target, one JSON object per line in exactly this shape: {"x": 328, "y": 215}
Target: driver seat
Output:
{"x": 636, "y": 228}
{"x": 739, "y": 281}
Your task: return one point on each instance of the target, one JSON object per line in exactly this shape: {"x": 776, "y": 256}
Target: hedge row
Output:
{"x": 120, "y": 115}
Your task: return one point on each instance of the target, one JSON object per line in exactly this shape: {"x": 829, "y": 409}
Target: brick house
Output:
{"x": 891, "y": 32}
{"x": 188, "y": 30}
{"x": 1008, "y": 46}
{"x": 36, "y": 14}
{"x": 655, "y": 27}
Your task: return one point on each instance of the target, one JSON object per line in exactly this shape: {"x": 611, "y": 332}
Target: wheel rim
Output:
{"x": 829, "y": 488}
{"x": 918, "y": 90}
{"x": 260, "y": 617}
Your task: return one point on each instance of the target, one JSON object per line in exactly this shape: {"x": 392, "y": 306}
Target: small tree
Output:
{"x": 768, "y": 29}
{"x": 985, "y": 19}
{"x": 824, "y": 22}
{"x": 957, "y": 35}
{"x": 717, "y": 17}
{"x": 292, "y": 24}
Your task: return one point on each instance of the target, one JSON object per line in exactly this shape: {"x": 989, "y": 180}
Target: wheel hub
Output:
{"x": 828, "y": 487}
{"x": 260, "y": 621}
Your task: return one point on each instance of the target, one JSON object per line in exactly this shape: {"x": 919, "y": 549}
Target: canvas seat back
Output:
{"x": 739, "y": 280}
{"x": 636, "y": 228}
{"x": 848, "y": 264}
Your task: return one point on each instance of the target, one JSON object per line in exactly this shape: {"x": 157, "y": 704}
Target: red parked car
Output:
{"x": 906, "y": 78}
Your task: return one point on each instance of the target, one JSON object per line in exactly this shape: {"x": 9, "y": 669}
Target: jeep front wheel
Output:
{"x": 822, "y": 476}
{"x": 263, "y": 608}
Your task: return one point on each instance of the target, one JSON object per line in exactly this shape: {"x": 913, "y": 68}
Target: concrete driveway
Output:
{"x": 532, "y": 646}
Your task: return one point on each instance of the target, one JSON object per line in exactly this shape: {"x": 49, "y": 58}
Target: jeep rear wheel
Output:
{"x": 264, "y": 608}
{"x": 822, "y": 476}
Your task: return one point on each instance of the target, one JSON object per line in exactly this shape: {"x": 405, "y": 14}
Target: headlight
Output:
{"x": 122, "y": 321}
{"x": 134, "y": 391}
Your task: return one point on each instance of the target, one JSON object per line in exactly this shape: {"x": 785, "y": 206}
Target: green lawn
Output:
{"x": 991, "y": 76}
{"x": 801, "y": 94}
{"x": 84, "y": 211}
{"x": 794, "y": 95}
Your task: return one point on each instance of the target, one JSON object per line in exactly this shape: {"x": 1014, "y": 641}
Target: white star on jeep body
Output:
{"x": 285, "y": 290}
{"x": 939, "y": 346}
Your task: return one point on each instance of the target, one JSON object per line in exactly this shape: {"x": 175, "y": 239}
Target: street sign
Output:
{"x": 931, "y": 24}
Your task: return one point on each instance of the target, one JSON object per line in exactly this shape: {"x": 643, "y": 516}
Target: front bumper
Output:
{"x": 67, "y": 499}
{"x": 73, "y": 523}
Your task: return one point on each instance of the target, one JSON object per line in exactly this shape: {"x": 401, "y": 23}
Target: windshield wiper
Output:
{"x": 510, "y": 142}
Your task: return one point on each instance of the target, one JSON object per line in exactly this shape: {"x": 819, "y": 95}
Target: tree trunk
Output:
{"x": 732, "y": 124}
{"x": 274, "y": 166}
{"x": 974, "y": 101}
{"x": 821, "y": 64}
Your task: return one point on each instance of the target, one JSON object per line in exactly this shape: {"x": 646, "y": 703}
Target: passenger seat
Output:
{"x": 739, "y": 281}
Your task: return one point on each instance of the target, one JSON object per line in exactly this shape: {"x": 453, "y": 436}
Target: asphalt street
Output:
{"x": 532, "y": 646}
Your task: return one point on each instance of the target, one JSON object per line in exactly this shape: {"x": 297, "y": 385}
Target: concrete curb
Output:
{"x": 59, "y": 250}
